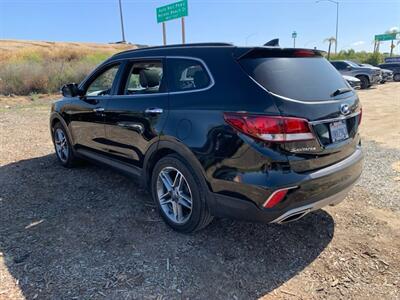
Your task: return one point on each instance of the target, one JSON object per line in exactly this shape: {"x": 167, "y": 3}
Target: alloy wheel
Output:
{"x": 174, "y": 195}
{"x": 61, "y": 144}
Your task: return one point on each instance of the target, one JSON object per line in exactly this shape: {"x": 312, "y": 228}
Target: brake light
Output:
{"x": 270, "y": 128}
{"x": 304, "y": 53}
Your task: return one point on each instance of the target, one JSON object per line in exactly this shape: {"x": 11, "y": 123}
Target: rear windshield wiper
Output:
{"x": 341, "y": 91}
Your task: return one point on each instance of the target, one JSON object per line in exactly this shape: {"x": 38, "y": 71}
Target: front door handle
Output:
{"x": 98, "y": 109}
{"x": 154, "y": 110}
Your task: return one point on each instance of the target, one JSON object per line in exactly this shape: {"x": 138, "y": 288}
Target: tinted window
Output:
{"x": 144, "y": 78}
{"x": 102, "y": 84}
{"x": 307, "y": 79}
{"x": 187, "y": 75}
{"x": 339, "y": 65}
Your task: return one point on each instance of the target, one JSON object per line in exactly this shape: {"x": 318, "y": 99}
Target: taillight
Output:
{"x": 270, "y": 128}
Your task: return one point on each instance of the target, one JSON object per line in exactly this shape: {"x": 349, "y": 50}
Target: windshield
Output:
{"x": 300, "y": 78}
{"x": 353, "y": 64}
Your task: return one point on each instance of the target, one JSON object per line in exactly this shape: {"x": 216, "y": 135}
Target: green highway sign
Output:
{"x": 172, "y": 11}
{"x": 385, "y": 37}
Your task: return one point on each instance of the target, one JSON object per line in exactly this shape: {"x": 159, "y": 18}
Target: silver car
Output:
{"x": 367, "y": 75}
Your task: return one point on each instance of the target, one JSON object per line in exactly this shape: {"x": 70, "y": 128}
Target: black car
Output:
{"x": 394, "y": 67}
{"x": 262, "y": 134}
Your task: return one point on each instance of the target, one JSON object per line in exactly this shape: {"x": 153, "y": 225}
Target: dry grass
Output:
{"x": 42, "y": 67}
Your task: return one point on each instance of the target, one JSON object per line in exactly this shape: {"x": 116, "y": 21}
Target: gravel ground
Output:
{"x": 379, "y": 178}
{"x": 89, "y": 233}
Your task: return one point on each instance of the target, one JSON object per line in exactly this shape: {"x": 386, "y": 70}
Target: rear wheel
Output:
{"x": 179, "y": 195}
{"x": 62, "y": 146}
{"x": 396, "y": 77}
{"x": 364, "y": 82}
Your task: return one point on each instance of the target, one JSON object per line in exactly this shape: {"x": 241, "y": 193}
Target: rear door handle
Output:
{"x": 154, "y": 111}
{"x": 98, "y": 109}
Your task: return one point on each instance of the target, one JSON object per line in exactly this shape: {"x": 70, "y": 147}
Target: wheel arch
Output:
{"x": 57, "y": 118}
{"x": 168, "y": 146}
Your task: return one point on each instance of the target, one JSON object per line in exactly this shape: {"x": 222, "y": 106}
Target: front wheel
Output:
{"x": 179, "y": 195}
{"x": 62, "y": 145}
{"x": 396, "y": 77}
{"x": 364, "y": 82}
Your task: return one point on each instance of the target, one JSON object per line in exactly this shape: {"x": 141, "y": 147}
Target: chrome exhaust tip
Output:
{"x": 293, "y": 217}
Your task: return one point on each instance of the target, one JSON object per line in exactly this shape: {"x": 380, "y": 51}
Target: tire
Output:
{"x": 173, "y": 184}
{"x": 396, "y": 77}
{"x": 62, "y": 147}
{"x": 364, "y": 82}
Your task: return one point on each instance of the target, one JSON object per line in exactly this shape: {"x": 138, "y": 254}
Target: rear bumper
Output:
{"x": 327, "y": 186}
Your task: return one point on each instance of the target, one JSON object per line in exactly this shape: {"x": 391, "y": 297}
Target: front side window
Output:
{"x": 102, "y": 84}
{"x": 144, "y": 78}
{"x": 187, "y": 75}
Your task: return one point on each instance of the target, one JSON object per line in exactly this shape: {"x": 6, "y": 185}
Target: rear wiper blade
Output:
{"x": 341, "y": 91}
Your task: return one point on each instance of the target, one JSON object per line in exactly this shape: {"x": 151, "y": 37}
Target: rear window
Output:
{"x": 300, "y": 78}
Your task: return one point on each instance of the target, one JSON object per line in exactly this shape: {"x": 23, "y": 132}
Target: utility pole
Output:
{"x": 337, "y": 20}
{"x": 122, "y": 22}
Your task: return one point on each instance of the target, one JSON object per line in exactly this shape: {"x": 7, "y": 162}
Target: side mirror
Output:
{"x": 71, "y": 90}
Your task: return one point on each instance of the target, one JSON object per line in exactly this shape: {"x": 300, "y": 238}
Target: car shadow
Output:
{"x": 91, "y": 233}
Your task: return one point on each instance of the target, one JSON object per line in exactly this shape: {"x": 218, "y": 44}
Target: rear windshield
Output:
{"x": 301, "y": 78}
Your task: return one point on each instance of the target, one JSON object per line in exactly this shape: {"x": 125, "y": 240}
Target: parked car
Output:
{"x": 241, "y": 137}
{"x": 386, "y": 75}
{"x": 394, "y": 67}
{"x": 354, "y": 82}
{"x": 368, "y": 76}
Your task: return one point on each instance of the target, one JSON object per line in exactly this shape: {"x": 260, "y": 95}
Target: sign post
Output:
{"x": 294, "y": 36}
{"x": 385, "y": 37}
{"x": 164, "y": 33}
{"x": 170, "y": 12}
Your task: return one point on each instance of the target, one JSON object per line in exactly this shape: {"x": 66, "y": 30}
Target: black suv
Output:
{"x": 394, "y": 67}
{"x": 261, "y": 134}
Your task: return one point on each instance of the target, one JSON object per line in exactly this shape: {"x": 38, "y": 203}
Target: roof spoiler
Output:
{"x": 271, "y": 51}
{"x": 272, "y": 43}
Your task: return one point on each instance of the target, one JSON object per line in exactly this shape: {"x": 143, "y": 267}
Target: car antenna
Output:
{"x": 272, "y": 43}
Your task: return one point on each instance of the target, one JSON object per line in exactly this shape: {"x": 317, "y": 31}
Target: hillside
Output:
{"x": 36, "y": 67}
{"x": 9, "y": 46}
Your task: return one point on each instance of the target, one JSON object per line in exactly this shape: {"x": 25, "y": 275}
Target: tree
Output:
{"x": 330, "y": 40}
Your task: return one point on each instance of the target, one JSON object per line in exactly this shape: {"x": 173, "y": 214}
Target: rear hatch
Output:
{"x": 305, "y": 85}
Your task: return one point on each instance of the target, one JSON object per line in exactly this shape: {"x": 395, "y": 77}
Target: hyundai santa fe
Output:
{"x": 262, "y": 134}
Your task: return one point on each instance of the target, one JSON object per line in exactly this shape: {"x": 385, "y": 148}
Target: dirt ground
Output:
{"x": 89, "y": 233}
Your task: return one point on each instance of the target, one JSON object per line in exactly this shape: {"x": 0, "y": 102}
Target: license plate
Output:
{"x": 338, "y": 131}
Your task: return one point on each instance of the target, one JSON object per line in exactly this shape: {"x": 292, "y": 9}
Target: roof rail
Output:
{"x": 177, "y": 46}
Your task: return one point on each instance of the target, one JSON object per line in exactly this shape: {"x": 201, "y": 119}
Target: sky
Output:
{"x": 242, "y": 22}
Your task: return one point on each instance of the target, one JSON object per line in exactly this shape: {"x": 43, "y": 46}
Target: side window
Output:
{"x": 341, "y": 65}
{"x": 187, "y": 75}
{"x": 144, "y": 78}
{"x": 102, "y": 84}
